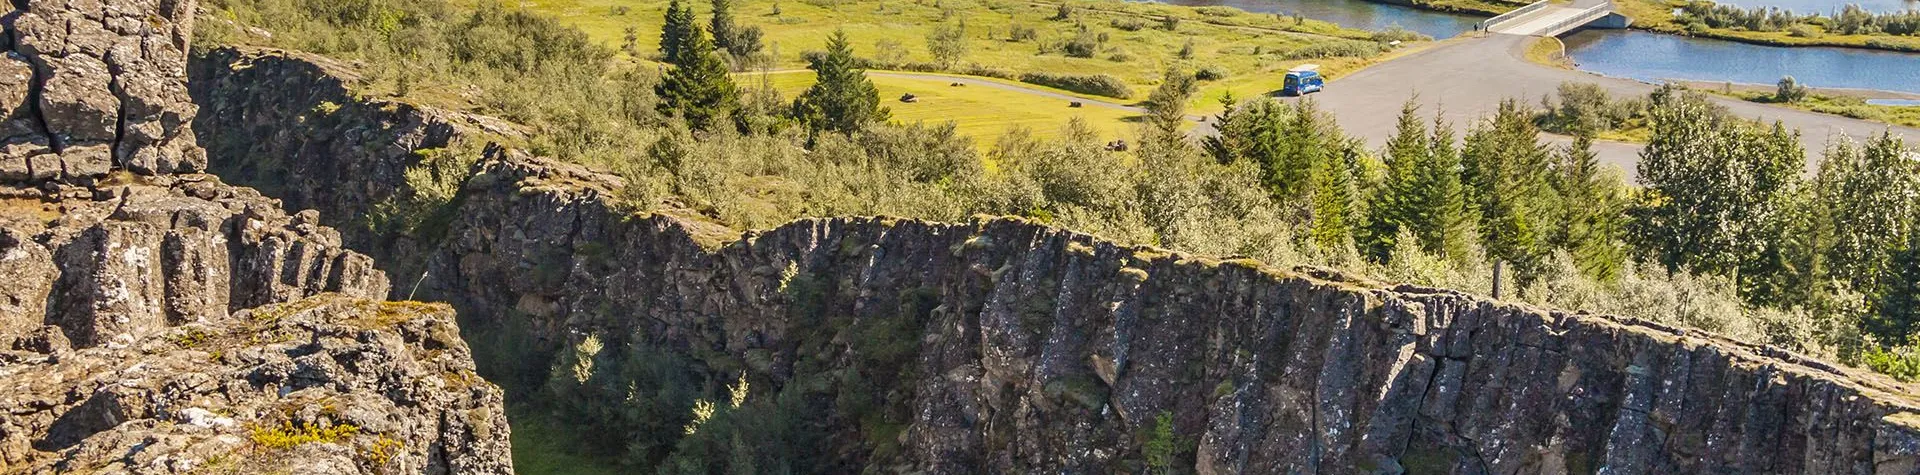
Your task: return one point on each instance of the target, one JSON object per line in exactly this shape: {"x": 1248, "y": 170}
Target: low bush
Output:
{"x": 1096, "y": 84}
{"x": 1211, "y": 72}
{"x": 1337, "y": 49}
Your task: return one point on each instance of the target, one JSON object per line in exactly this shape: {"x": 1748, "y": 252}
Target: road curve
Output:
{"x": 1467, "y": 80}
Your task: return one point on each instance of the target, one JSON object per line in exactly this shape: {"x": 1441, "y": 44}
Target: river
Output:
{"x": 1354, "y": 14}
{"x": 1653, "y": 57}
{"x": 1647, "y": 56}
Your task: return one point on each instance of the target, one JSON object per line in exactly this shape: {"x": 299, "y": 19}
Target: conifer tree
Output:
{"x": 721, "y": 25}
{"x": 1333, "y": 199}
{"x": 1590, "y": 211}
{"x": 697, "y": 87}
{"x": 1398, "y": 206}
{"x": 679, "y": 26}
{"x": 842, "y": 99}
{"x": 1506, "y": 167}
{"x": 1167, "y": 105}
{"x": 1449, "y": 231}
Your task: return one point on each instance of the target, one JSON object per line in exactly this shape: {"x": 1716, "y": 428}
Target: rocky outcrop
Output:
{"x": 1037, "y": 350}
{"x": 323, "y": 385}
{"x": 1002, "y": 346}
{"x": 114, "y": 264}
{"x": 287, "y": 124}
{"x": 90, "y": 86}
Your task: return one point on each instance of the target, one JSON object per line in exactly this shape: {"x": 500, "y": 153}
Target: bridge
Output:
{"x": 1555, "y": 18}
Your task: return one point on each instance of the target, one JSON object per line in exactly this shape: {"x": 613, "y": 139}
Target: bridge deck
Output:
{"x": 1537, "y": 22}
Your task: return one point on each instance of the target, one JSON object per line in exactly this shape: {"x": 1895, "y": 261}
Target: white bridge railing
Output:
{"x": 1488, "y": 24}
{"x": 1588, "y": 15}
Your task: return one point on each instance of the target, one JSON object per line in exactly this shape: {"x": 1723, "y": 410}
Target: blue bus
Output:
{"x": 1302, "y": 80}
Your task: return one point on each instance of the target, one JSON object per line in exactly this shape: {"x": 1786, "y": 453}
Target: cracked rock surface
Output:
{"x": 111, "y": 265}
{"x": 91, "y": 86}
{"x": 323, "y": 385}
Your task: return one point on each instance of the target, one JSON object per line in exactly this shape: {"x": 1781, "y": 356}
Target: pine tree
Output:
{"x": 1398, "y": 205}
{"x": 678, "y": 28}
{"x": 842, "y": 99}
{"x": 697, "y": 88}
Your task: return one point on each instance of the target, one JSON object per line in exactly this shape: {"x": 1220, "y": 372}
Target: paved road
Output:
{"x": 1467, "y": 80}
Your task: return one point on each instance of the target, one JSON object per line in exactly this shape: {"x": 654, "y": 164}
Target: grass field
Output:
{"x": 983, "y": 113}
{"x": 542, "y": 445}
{"x": 1255, "y": 49}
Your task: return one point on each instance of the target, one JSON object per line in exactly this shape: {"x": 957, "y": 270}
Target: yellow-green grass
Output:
{"x": 978, "y": 111}
{"x": 1549, "y": 51}
{"x": 1840, "y": 105}
{"x": 895, "y": 31}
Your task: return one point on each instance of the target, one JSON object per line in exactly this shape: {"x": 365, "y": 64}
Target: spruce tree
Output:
{"x": 697, "y": 88}
{"x": 721, "y": 26}
{"x": 1449, "y": 230}
{"x": 1507, "y": 169}
{"x": 1333, "y": 199}
{"x": 1398, "y": 206}
{"x": 678, "y": 28}
{"x": 842, "y": 99}
{"x": 1590, "y": 211}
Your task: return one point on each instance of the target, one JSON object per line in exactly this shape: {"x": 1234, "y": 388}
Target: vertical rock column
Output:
{"x": 90, "y": 86}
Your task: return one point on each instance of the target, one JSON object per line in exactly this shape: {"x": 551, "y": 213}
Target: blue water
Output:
{"x": 1654, "y": 57}
{"x": 1895, "y": 102}
{"x": 1354, "y": 14}
{"x": 1827, "y": 7}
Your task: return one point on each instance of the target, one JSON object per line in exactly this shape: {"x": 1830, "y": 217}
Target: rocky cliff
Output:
{"x": 156, "y": 320}
{"x": 1018, "y": 348}
{"x": 1002, "y": 346}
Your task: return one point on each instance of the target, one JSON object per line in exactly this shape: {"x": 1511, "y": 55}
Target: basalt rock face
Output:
{"x": 111, "y": 265}
{"x": 287, "y": 124}
{"x": 90, "y": 86}
{"x": 1002, "y": 346}
{"x": 323, "y": 385}
{"x": 1036, "y": 350}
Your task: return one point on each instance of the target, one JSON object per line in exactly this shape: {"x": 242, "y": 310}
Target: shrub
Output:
{"x": 1335, "y": 49}
{"x": 1396, "y": 33}
{"x": 1120, "y": 55}
{"x": 1096, "y": 84}
{"x": 1789, "y": 90}
{"x": 1018, "y": 32}
{"x": 1803, "y": 31}
{"x": 1128, "y": 24}
{"x": 1211, "y": 72}
{"x": 1083, "y": 45}
{"x": 1170, "y": 23}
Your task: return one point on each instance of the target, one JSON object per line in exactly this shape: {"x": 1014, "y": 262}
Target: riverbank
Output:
{"x": 1657, "y": 16}
{"x": 1850, "y": 103}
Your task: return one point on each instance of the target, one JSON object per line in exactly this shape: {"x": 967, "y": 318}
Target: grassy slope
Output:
{"x": 980, "y": 112}
{"x": 542, "y": 445}
{"x": 1222, "y": 37}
